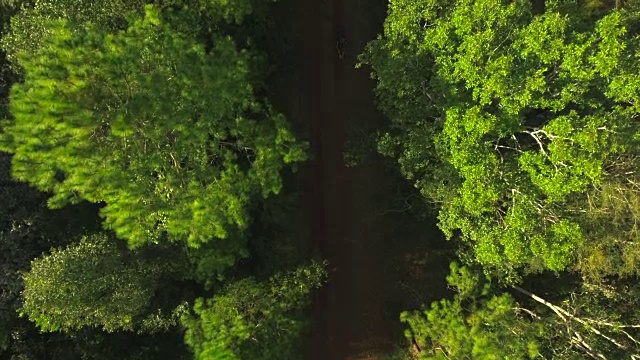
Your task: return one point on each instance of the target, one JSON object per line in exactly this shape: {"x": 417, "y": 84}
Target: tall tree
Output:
{"x": 168, "y": 136}
{"x": 510, "y": 118}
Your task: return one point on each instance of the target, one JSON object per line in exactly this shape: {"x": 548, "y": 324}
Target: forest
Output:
{"x": 209, "y": 179}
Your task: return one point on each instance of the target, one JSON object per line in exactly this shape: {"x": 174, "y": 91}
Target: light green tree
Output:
{"x": 30, "y": 23}
{"x": 508, "y": 117}
{"x": 29, "y": 26}
{"x": 168, "y": 136}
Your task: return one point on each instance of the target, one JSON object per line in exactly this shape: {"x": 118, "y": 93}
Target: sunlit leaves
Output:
{"x": 525, "y": 110}
{"x": 29, "y": 26}
{"x": 169, "y": 136}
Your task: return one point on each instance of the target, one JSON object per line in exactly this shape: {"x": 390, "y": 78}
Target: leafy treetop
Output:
{"x": 168, "y": 136}
{"x": 99, "y": 283}
{"x": 507, "y": 118}
{"x": 254, "y": 320}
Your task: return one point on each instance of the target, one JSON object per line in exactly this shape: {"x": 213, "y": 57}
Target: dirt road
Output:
{"x": 335, "y": 99}
{"x": 383, "y": 260}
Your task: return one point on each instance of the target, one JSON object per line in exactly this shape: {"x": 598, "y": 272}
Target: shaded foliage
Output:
{"x": 100, "y": 283}
{"x": 483, "y": 321}
{"x": 27, "y": 229}
{"x": 29, "y": 27}
{"x": 474, "y": 325}
{"x": 252, "y": 319}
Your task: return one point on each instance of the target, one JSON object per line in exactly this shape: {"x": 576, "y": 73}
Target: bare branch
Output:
{"x": 604, "y": 323}
{"x": 535, "y": 137}
{"x": 563, "y": 314}
{"x": 630, "y": 337}
{"x": 531, "y": 313}
{"x": 542, "y": 301}
{"x": 577, "y": 340}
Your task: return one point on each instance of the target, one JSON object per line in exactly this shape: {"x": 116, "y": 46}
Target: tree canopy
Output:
{"x": 512, "y": 120}
{"x": 474, "y": 325}
{"x": 252, "y": 319}
{"x": 98, "y": 282}
{"x": 147, "y": 204}
{"x": 518, "y": 120}
{"x": 29, "y": 27}
{"x": 152, "y": 114}
{"x": 167, "y": 135}
{"x": 484, "y": 322}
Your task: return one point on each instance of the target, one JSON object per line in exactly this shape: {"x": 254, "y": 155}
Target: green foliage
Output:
{"x": 484, "y": 327}
{"x": 508, "y": 118}
{"x": 467, "y": 282}
{"x": 176, "y": 143}
{"x": 596, "y": 320}
{"x": 210, "y": 260}
{"x": 97, "y": 283}
{"x": 610, "y": 223}
{"x": 7, "y": 76}
{"x": 253, "y": 320}
{"x": 231, "y": 11}
{"x": 27, "y": 229}
{"x": 150, "y": 113}
{"x": 610, "y": 308}
{"x": 30, "y": 27}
